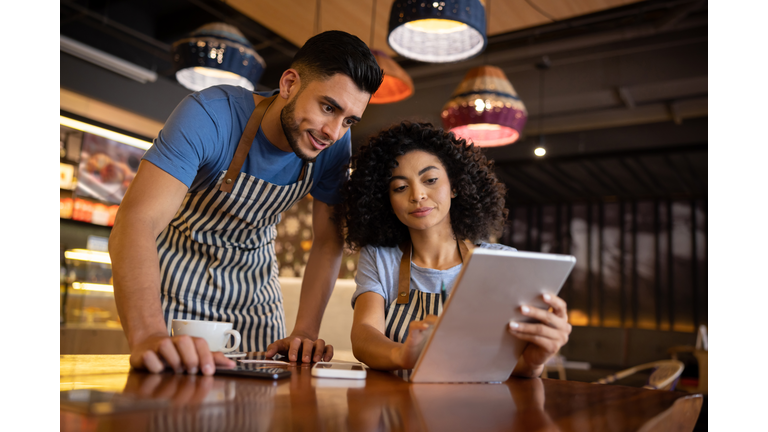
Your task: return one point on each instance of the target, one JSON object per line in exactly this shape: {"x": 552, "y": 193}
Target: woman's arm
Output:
{"x": 371, "y": 346}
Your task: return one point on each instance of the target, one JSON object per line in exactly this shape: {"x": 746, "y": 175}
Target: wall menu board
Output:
{"x": 94, "y": 176}
{"x": 106, "y": 168}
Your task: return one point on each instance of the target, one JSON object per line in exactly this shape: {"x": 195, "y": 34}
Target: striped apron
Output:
{"x": 217, "y": 255}
{"x": 412, "y": 305}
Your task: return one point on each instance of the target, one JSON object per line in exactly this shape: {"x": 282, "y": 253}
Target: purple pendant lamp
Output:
{"x": 485, "y": 109}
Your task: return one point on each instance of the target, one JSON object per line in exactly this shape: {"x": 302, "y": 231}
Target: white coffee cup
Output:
{"x": 215, "y": 333}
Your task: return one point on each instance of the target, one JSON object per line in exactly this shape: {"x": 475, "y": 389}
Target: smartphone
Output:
{"x": 338, "y": 370}
{"x": 255, "y": 370}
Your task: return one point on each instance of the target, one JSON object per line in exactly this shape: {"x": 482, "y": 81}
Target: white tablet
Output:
{"x": 470, "y": 341}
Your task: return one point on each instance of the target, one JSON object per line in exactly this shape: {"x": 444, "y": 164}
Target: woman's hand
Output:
{"x": 546, "y": 337}
{"x": 418, "y": 332}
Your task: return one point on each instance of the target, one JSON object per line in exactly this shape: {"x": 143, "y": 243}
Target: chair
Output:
{"x": 556, "y": 363}
{"x": 664, "y": 377}
{"x": 700, "y": 352}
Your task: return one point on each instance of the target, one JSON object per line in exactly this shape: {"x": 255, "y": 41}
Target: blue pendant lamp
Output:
{"x": 216, "y": 54}
{"x": 437, "y": 31}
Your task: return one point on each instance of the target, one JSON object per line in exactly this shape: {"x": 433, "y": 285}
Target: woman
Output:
{"x": 423, "y": 192}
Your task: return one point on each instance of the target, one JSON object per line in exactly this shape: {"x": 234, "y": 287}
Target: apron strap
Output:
{"x": 404, "y": 278}
{"x": 303, "y": 171}
{"x": 246, "y": 140}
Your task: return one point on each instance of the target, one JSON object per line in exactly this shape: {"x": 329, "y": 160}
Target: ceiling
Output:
{"x": 298, "y": 20}
{"x": 615, "y": 90}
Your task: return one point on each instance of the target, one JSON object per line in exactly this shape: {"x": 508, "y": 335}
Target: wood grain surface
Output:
{"x": 101, "y": 392}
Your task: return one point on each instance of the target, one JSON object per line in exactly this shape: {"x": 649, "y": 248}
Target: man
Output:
{"x": 194, "y": 235}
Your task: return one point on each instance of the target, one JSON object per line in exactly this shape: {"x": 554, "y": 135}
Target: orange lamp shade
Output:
{"x": 397, "y": 85}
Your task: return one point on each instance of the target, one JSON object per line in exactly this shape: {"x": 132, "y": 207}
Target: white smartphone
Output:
{"x": 338, "y": 370}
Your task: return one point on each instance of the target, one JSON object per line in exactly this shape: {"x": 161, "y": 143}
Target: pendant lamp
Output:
{"x": 216, "y": 54}
{"x": 485, "y": 109}
{"x": 437, "y": 31}
{"x": 397, "y": 85}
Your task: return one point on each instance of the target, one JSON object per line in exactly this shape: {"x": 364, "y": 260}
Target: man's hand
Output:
{"x": 180, "y": 353}
{"x": 301, "y": 348}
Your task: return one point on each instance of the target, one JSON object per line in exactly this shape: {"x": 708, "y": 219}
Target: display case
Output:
{"x": 86, "y": 293}
{"x": 88, "y": 314}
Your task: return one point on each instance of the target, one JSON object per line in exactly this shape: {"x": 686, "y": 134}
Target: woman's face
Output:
{"x": 420, "y": 191}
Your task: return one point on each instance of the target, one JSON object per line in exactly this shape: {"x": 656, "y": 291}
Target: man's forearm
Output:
{"x": 316, "y": 288}
{"x": 136, "y": 278}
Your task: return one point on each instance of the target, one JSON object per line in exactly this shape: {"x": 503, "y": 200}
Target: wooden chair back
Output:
{"x": 664, "y": 376}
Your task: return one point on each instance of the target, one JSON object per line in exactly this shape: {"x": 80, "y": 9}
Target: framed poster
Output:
{"x": 106, "y": 168}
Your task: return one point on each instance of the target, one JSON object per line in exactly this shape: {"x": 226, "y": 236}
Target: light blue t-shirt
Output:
{"x": 200, "y": 137}
{"x": 378, "y": 271}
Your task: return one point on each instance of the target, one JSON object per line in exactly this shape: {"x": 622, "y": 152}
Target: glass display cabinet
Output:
{"x": 86, "y": 296}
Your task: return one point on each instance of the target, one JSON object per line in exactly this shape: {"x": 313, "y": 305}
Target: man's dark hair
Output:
{"x": 333, "y": 52}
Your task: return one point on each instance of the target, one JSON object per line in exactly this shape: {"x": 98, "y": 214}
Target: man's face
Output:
{"x": 320, "y": 113}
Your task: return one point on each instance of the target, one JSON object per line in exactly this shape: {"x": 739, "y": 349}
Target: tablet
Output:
{"x": 470, "y": 341}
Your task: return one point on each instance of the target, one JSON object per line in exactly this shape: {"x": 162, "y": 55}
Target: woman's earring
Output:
{"x": 453, "y": 194}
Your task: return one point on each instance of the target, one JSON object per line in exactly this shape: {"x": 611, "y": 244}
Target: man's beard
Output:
{"x": 291, "y": 129}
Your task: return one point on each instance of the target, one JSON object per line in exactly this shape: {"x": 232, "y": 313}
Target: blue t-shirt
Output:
{"x": 378, "y": 270}
{"x": 200, "y": 137}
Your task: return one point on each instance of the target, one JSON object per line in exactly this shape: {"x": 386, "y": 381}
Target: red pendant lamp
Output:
{"x": 485, "y": 109}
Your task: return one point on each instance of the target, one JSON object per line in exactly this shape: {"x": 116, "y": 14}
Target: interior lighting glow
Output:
{"x": 106, "y": 133}
{"x": 540, "y": 151}
{"x": 92, "y": 287}
{"x": 483, "y": 126}
{"x": 437, "y": 26}
{"x": 88, "y": 255}
{"x": 216, "y": 73}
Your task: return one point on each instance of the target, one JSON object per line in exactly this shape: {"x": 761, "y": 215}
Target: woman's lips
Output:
{"x": 421, "y": 212}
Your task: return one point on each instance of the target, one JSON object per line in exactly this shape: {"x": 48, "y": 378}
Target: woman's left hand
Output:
{"x": 547, "y": 336}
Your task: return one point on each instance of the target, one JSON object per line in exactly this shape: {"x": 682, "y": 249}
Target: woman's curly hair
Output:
{"x": 366, "y": 215}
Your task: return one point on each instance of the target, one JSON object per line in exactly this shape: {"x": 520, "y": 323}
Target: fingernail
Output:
{"x": 547, "y": 296}
{"x": 513, "y": 325}
{"x": 306, "y": 358}
{"x": 525, "y": 309}
{"x": 208, "y": 369}
{"x": 193, "y": 371}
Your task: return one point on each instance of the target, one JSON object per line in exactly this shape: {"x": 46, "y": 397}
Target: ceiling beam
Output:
{"x": 617, "y": 117}
{"x": 537, "y": 50}
{"x": 653, "y": 151}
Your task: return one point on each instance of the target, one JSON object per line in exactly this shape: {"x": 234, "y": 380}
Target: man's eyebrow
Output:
{"x": 336, "y": 105}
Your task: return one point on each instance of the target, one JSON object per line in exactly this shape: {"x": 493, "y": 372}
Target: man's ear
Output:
{"x": 290, "y": 82}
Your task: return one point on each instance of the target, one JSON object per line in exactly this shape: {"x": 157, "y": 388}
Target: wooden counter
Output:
{"x": 109, "y": 396}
